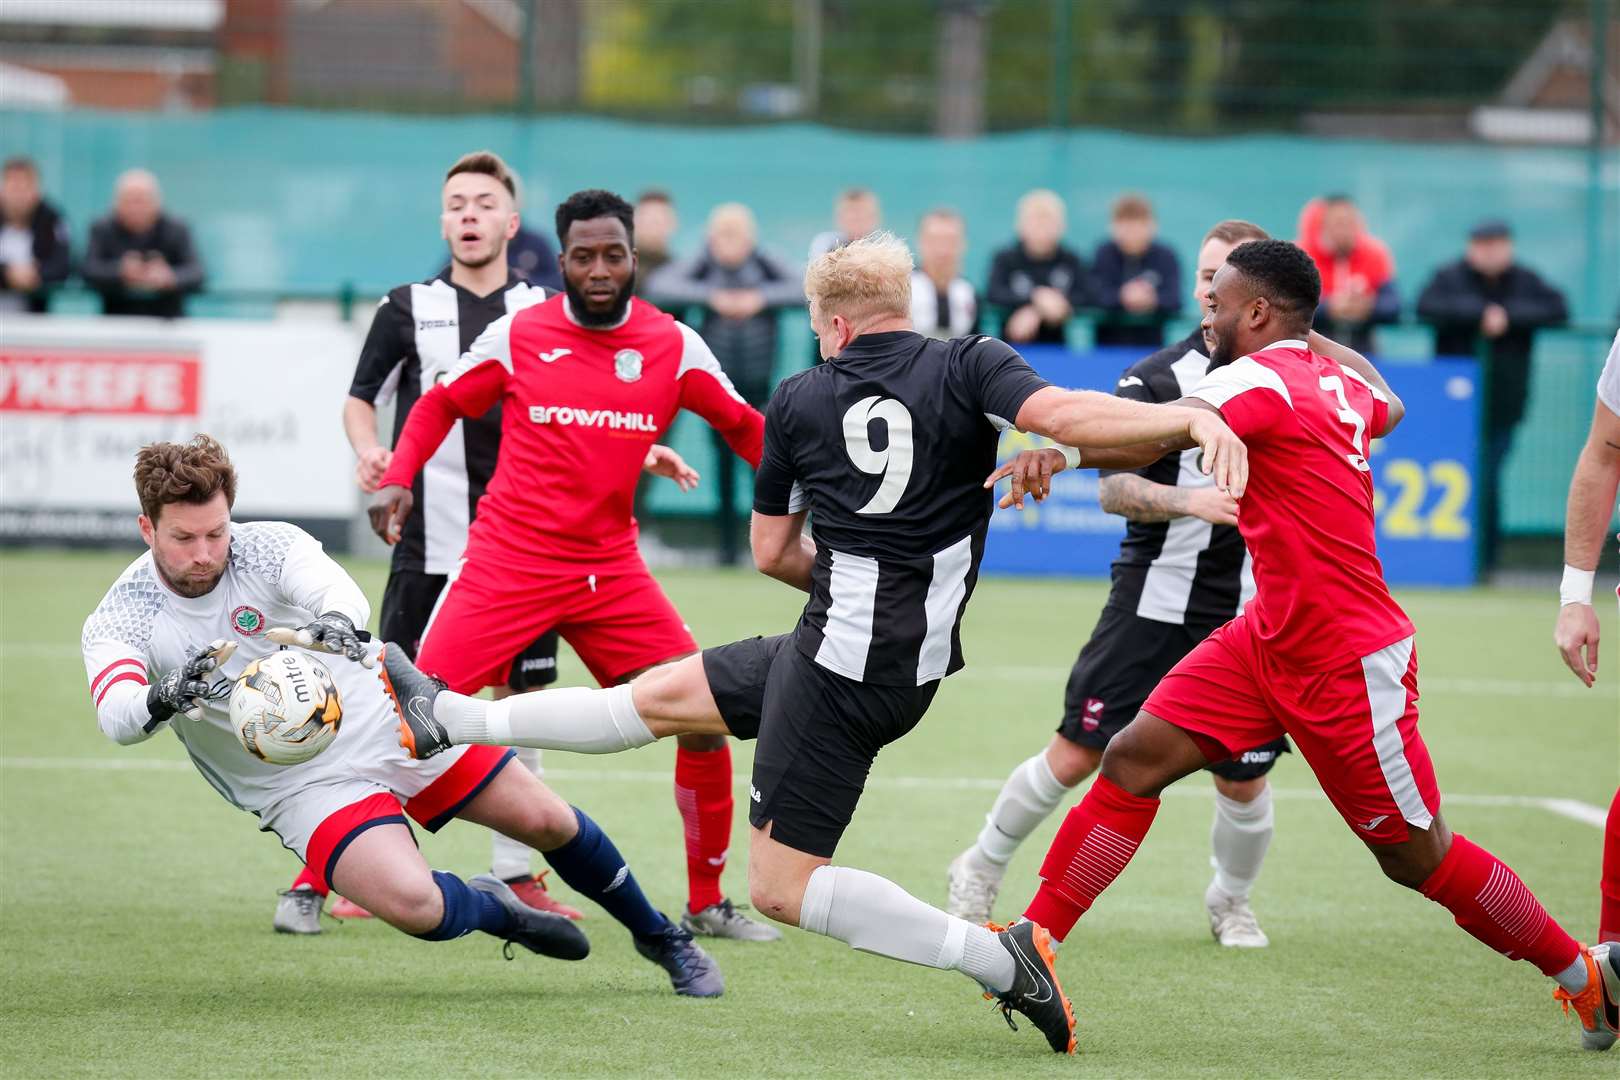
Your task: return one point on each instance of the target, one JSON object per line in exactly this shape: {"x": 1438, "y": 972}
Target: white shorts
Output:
{"x": 318, "y": 821}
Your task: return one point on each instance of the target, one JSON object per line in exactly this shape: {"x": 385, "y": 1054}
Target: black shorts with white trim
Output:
{"x": 818, "y": 735}
{"x": 1118, "y": 668}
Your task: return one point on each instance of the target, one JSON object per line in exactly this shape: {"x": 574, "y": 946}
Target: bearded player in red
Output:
{"x": 1322, "y": 654}
{"x": 586, "y": 381}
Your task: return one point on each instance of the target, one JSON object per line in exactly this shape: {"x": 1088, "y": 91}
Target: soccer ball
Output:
{"x": 285, "y": 708}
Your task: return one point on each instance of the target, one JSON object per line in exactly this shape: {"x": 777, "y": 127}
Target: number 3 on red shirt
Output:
{"x": 1357, "y": 436}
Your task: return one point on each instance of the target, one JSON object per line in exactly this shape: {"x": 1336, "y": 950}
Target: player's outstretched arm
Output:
{"x": 1586, "y": 524}
{"x": 1114, "y": 433}
{"x": 781, "y": 550}
{"x": 1344, "y": 354}
{"x": 1136, "y": 498}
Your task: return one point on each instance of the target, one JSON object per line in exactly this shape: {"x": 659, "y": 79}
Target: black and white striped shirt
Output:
{"x": 417, "y": 335}
{"x": 887, "y": 446}
{"x": 950, "y": 313}
{"x": 1184, "y": 571}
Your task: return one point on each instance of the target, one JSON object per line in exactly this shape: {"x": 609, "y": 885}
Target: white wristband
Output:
{"x": 1576, "y": 588}
{"x": 1071, "y": 456}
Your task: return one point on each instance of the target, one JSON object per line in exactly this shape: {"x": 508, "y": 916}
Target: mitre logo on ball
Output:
{"x": 627, "y": 365}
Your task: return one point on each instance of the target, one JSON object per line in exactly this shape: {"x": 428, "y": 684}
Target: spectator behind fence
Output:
{"x": 529, "y": 254}
{"x": 740, "y": 288}
{"x": 1136, "y": 280}
{"x": 944, "y": 304}
{"x": 140, "y": 259}
{"x": 1486, "y": 304}
{"x": 33, "y": 240}
{"x": 655, "y": 228}
{"x": 1038, "y": 280}
{"x": 1358, "y": 272}
{"x": 857, "y": 213}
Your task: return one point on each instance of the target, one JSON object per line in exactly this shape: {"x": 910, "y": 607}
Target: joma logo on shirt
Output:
{"x": 600, "y": 418}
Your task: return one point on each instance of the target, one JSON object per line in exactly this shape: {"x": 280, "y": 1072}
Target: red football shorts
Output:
{"x": 1356, "y": 724}
{"x": 491, "y": 610}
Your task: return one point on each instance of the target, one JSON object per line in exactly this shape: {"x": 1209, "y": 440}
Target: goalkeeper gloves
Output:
{"x": 184, "y": 689}
{"x": 333, "y": 633}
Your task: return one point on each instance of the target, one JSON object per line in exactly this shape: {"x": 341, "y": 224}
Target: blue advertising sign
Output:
{"x": 1423, "y": 477}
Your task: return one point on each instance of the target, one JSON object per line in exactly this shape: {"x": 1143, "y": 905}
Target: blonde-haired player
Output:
{"x": 888, "y": 444}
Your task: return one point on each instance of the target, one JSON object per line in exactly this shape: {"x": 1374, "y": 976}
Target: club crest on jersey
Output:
{"x": 627, "y": 365}
{"x": 247, "y": 621}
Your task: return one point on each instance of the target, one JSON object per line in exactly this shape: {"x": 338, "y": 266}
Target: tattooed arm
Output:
{"x": 1139, "y": 499}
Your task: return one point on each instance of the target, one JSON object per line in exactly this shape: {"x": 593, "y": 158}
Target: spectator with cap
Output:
{"x": 655, "y": 227}
{"x": 141, "y": 259}
{"x": 739, "y": 288}
{"x": 1358, "y": 271}
{"x": 1036, "y": 279}
{"x": 944, "y": 304}
{"x": 857, "y": 213}
{"x": 1136, "y": 280}
{"x": 33, "y": 240}
{"x": 1488, "y": 305}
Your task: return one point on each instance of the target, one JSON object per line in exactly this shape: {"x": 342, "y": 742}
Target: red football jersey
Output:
{"x": 580, "y": 407}
{"x": 1307, "y": 514}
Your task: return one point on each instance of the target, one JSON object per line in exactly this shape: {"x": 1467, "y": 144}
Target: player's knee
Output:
{"x": 1243, "y": 791}
{"x": 411, "y": 903}
{"x": 772, "y": 900}
{"x": 545, "y": 823}
{"x": 1130, "y": 763}
{"x": 1070, "y": 762}
{"x": 1412, "y": 863}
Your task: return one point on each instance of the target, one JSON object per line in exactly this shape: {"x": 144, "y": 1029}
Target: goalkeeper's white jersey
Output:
{"x": 277, "y": 575}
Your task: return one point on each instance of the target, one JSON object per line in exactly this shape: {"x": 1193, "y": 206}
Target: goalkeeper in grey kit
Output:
{"x": 175, "y": 631}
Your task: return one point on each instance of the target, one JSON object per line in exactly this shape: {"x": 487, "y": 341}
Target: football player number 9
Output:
{"x": 893, "y": 462}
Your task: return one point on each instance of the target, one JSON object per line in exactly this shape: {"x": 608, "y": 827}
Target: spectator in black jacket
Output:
{"x": 740, "y": 289}
{"x": 140, "y": 259}
{"x": 33, "y": 240}
{"x": 1135, "y": 279}
{"x": 1486, "y": 304}
{"x": 1037, "y": 280}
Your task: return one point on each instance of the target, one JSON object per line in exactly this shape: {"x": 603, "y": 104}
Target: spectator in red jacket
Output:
{"x": 1358, "y": 272}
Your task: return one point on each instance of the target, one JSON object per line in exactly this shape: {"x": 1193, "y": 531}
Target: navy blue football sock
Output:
{"x": 592, "y": 866}
{"x": 466, "y": 910}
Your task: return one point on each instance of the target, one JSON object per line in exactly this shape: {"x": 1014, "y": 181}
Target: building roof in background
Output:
{"x": 147, "y": 15}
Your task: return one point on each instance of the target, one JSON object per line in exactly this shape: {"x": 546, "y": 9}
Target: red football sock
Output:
{"x": 308, "y": 877}
{"x": 1609, "y": 914}
{"x": 1095, "y": 841}
{"x": 703, "y": 795}
{"x": 1490, "y": 902}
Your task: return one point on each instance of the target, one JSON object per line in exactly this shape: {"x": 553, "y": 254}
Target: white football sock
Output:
{"x": 1030, "y": 794}
{"x": 579, "y": 719}
{"x": 875, "y": 915}
{"x": 509, "y": 858}
{"x": 1574, "y": 978}
{"x": 1238, "y": 840}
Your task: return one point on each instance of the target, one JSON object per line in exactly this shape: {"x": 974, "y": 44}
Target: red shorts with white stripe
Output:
{"x": 618, "y": 622}
{"x": 432, "y": 808}
{"x": 1356, "y": 724}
